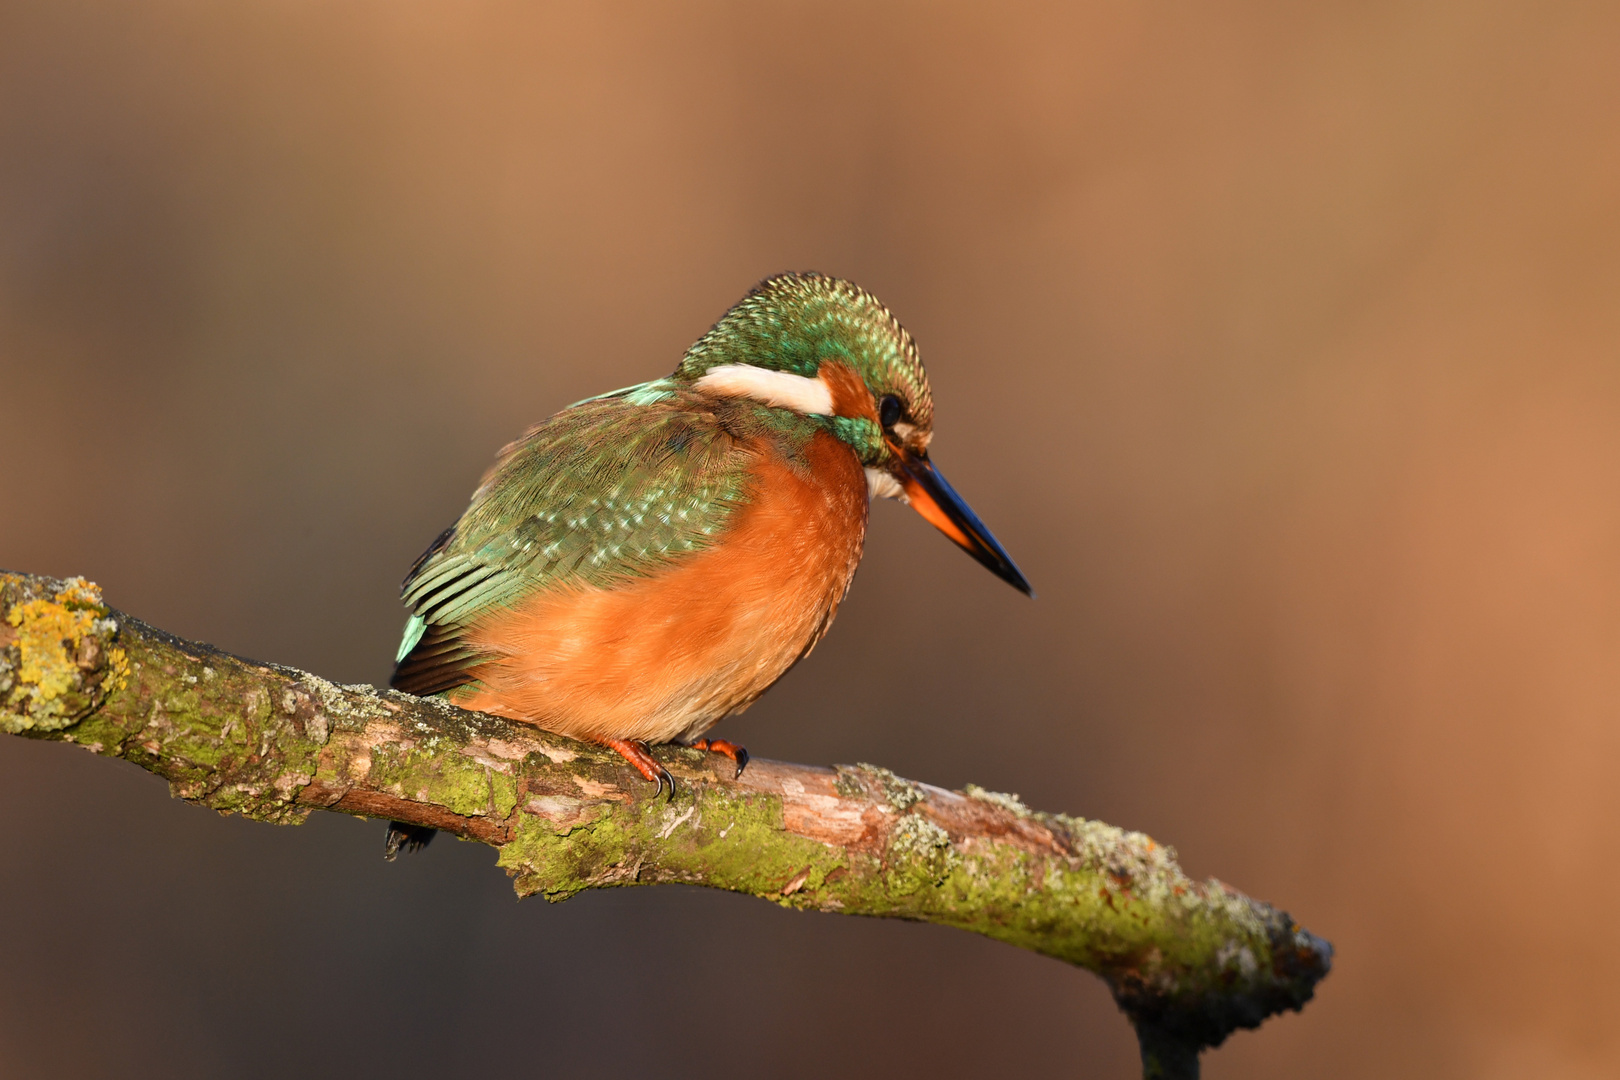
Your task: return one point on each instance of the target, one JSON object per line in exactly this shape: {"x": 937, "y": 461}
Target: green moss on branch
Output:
{"x": 1188, "y": 961}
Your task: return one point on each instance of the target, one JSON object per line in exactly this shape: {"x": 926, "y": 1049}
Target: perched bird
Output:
{"x": 649, "y": 561}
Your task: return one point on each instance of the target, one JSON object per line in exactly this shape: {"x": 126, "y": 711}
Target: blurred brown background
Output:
{"x": 1280, "y": 343}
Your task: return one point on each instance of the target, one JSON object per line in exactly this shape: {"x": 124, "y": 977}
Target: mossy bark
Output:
{"x": 1188, "y": 961}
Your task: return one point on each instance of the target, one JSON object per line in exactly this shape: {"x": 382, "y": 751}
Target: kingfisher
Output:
{"x": 646, "y": 562}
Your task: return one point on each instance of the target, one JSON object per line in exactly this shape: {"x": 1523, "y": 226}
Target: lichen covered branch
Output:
{"x": 1188, "y": 961}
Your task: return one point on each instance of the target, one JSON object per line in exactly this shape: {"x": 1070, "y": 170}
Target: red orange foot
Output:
{"x": 731, "y": 750}
{"x": 635, "y": 752}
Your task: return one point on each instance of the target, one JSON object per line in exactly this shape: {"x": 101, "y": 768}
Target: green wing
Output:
{"x": 607, "y": 490}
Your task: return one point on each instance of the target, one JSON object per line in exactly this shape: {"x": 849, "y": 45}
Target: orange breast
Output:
{"x": 664, "y": 657}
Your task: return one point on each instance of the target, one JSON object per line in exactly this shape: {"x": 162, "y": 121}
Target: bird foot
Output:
{"x": 635, "y": 752}
{"x": 403, "y": 837}
{"x": 738, "y": 754}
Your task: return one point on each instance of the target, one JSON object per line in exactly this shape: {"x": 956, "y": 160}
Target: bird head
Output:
{"x": 828, "y": 349}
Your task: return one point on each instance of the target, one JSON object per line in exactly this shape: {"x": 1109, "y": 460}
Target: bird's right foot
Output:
{"x": 726, "y": 748}
{"x": 636, "y": 753}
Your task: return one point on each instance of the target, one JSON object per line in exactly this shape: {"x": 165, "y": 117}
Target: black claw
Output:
{"x": 742, "y": 762}
{"x": 664, "y": 777}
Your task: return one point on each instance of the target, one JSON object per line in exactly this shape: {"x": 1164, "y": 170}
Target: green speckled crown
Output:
{"x": 794, "y": 322}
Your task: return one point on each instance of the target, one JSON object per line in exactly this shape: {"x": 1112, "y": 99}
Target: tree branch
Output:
{"x": 1188, "y": 962}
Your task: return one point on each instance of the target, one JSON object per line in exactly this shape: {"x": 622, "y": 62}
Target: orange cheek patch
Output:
{"x": 849, "y": 394}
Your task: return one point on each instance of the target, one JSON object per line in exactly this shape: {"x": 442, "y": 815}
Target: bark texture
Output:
{"x": 1188, "y": 962}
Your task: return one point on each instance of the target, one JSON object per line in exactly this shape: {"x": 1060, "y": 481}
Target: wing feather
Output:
{"x": 608, "y": 489}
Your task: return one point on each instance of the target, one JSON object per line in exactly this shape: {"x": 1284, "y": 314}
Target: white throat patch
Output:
{"x": 780, "y": 389}
{"x": 880, "y": 484}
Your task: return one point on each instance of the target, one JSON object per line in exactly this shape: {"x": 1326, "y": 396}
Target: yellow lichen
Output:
{"x": 76, "y": 590}
{"x": 46, "y": 631}
{"x": 51, "y": 678}
{"x": 118, "y": 669}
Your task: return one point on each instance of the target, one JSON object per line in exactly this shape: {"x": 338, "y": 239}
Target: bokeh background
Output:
{"x": 1280, "y": 343}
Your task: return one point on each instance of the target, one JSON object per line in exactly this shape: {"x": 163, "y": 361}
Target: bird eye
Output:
{"x": 889, "y": 410}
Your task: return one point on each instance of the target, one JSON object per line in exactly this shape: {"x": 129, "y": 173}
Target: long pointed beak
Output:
{"x": 943, "y": 508}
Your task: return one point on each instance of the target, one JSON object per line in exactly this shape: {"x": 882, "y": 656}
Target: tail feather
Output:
{"x": 437, "y": 662}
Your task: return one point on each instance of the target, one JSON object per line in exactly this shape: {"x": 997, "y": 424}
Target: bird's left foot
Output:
{"x": 737, "y": 754}
{"x": 403, "y": 837}
{"x": 636, "y": 753}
